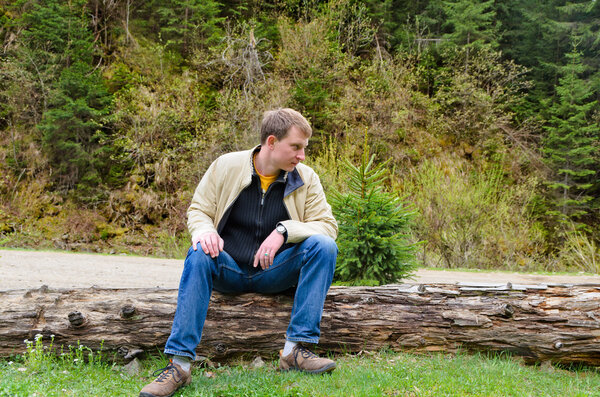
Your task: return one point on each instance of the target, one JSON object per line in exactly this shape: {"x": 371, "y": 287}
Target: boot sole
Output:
{"x": 327, "y": 368}
{"x": 144, "y": 394}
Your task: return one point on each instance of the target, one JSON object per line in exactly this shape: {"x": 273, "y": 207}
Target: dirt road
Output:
{"x": 32, "y": 269}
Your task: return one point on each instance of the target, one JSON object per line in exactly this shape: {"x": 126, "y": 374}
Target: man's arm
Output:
{"x": 318, "y": 218}
{"x": 201, "y": 214}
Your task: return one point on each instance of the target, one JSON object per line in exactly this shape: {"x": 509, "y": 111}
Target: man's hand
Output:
{"x": 267, "y": 250}
{"x": 211, "y": 243}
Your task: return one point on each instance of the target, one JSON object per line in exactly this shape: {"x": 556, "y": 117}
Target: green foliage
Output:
{"x": 72, "y": 127}
{"x": 471, "y": 21}
{"x": 538, "y": 34}
{"x": 579, "y": 252}
{"x": 468, "y": 86}
{"x": 571, "y": 141}
{"x": 59, "y": 27}
{"x": 58, "y": 52}
{"x": 188, "y": 24}
{"x": 374, "y": 227}
{"x": 317, "y": 68}
{"x": 475, "y": 218}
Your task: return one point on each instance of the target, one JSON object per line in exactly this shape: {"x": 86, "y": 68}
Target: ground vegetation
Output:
{"x": 485, "y": 115}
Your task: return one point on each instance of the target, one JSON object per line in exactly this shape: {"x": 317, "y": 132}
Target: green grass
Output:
{"x": 381, "y": 374}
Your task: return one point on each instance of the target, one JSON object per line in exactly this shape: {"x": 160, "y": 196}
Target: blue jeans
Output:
{"x": 308, "y": 265}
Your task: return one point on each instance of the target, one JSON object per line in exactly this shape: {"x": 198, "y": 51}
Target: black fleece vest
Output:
{"x": 251, "y": 218}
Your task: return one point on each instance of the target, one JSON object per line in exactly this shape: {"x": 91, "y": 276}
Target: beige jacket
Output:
{"x": 228, "y": 175}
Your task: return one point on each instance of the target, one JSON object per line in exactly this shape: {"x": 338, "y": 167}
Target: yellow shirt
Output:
{"x": 265, "y": 181}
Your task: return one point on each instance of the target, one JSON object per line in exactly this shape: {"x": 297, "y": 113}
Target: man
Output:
{"x": 262, "y": 223}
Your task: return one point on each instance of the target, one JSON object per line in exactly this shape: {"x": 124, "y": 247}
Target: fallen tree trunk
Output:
{"x": 558, "y": 323}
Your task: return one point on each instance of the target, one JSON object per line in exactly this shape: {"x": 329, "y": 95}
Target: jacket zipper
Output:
{"x": 260, "y": 212}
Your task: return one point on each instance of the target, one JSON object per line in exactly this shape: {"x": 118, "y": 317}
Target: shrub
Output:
{"x": 475, "y": 218}
{"x": 374, "y": 226}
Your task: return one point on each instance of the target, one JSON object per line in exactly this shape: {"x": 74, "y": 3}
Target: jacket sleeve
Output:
{"x": 318, "y": 218}
{"x": 202, "y": 211}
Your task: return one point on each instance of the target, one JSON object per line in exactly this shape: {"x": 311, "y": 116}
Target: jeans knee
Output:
{"x": 325, "y": 249}
{"x": 198, "y": 260}
{"x": 324, "y": 244}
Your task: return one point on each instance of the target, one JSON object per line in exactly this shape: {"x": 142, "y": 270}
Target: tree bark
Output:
{"x": 557, "y": 323}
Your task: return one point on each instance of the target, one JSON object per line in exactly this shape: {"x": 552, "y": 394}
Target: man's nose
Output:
{"x": 300, "y": 155}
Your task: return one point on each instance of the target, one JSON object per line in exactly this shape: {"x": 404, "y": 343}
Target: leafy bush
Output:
{"x": 475, "y": 218}
{"x": 374, "y": 226}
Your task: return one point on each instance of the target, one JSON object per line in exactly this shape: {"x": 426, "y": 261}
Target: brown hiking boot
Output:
{"x": 171, "y": 378}
{"x": 302, "y": 359}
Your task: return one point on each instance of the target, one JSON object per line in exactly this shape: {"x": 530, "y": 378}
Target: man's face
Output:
{"x": 289, "y": 151}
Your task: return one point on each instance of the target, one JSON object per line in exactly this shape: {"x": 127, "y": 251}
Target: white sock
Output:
{"x": 184, "y": 362}
{"x": 287, "y": 349}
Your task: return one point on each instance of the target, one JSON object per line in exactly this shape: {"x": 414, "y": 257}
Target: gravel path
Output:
{"x": 32, "y": 269}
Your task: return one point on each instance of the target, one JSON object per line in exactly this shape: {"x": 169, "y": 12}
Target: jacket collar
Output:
{"x": 292, "y": 179}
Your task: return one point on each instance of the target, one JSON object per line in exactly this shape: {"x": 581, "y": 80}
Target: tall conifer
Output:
{"x": 71, "y": 125}
{"x": 572, "y": 138}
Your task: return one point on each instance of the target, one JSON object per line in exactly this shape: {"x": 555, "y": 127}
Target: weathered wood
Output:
{"x": 558, "y": 323}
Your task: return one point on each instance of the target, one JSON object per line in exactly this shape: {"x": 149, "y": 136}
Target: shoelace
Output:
{"x": 165, "y": 372}
{"x": 304, "y": 352}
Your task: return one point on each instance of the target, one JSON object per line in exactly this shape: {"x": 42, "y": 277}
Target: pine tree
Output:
{"x": 572, "y": 139}
{"x": 472, "y": 24}
{"x": 472, "y": 21}
{"x": 188, "y": 24}
{"x": 71, "y": 125}
{"x": 373, "y": 227}
{"x": 537, "y": 35}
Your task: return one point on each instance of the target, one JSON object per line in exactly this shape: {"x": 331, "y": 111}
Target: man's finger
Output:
{"x": 208, "y": 244}
{"x": 215, "y": 245}
{"x": 256, "y": 259}
{"x": 203, "y": 245}
{"x": 194, "y": 245}
{"x": 265, "y": 260}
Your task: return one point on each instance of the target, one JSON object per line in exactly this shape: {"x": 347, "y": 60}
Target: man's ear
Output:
{"x": 271, "y": 139}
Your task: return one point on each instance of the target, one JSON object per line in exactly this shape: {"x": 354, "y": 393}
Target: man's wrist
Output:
{"x": 281, "y": 230}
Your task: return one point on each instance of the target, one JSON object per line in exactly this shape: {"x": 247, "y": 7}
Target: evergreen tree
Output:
{"x": 373, "y": 227}
{"x": 188, "y": 24}
{"x": 72, "y": 127}
{"x": 78, "y": 101}
{"x": 538, "y": 34}
{"x": 572, "y": 139}
{"x": 472, "y": 24}
{"x": 472, "y": 21}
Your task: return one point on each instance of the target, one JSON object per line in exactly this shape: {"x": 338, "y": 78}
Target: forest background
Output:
{"x": 486, "y": 111}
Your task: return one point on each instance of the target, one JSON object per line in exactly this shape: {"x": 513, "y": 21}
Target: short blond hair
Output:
{"x": 277, "y": 122}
